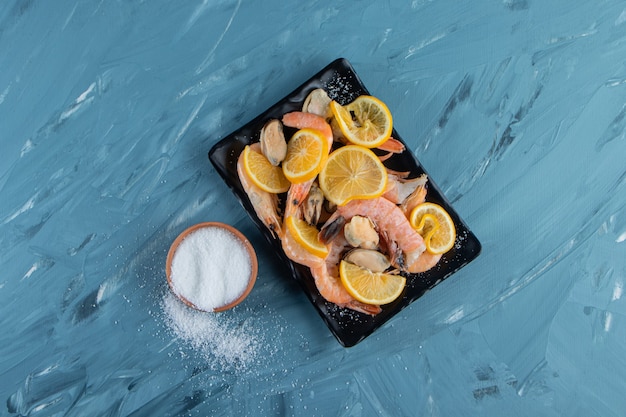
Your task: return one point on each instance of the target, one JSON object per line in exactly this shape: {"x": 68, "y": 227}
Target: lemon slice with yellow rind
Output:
{"x": 369, "y": 287}
{"x": 435, "y": 225}
{"x": 306, "y": 236}
{"x": 352, "y": 172}
{"x": 262, "y": 173}
{"x": 307, "y": 151}
{"x": 366, "y": 121}
{"x": 427, "y": 226}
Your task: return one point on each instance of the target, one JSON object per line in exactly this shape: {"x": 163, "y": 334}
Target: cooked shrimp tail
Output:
{"x": 392, "y": 145}
{"x": 414, "y": 199}
{"x": 370, "y": 309}
{"x": 400, "y": 189}
{"x": 265, "y": 204}
{"x": 296, "y": 195}
{"x": 396, "y": 256}
{"x": 333, "y": 226}
{"x": 423, "y": 263}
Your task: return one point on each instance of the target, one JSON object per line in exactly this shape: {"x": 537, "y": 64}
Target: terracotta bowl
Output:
{"x": 244, "y": 241}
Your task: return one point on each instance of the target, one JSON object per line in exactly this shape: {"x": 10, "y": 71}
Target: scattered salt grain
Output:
{"x": 218, "y": 339}
{"x": 210, "y": 268}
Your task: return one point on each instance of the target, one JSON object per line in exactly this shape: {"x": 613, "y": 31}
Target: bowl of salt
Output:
{"x": 211, "y": 267}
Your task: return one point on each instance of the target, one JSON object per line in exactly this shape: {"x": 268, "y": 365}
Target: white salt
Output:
{"x": 210, "y": 268}
{"x": 221, "y": 341}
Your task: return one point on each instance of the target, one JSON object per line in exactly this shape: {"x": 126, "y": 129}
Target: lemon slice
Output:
{"x": 427, "y": 226}
{"x": 436, "y": 225}
{"x": 352, "y": 172}
{"x": 366, "y": 121}
{"x": 262, "y": 173}
{"x": 306, "y": 235}
{"x": 370, "y": 287}
{"x": 307, "y": 151}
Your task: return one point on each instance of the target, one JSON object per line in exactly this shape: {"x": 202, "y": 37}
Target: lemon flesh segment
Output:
{"x": 442, "y": 238}
{"x": 377, "y": 288}
{"x": 262, "y": 173}
{"x": 352, "y": 172}
{"x": 366, "y": 121}
{"x": 427, "y": 226}
{"x": 307, "y": 236}
{"x": 307, "y": 152}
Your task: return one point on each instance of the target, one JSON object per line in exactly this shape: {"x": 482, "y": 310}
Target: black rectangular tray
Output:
{"x": 349, "y": 327}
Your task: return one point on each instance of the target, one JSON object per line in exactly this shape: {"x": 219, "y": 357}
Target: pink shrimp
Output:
{"x": 296, "y": 195}
{"x": 392, "y": 145}
{"x": 390, "y": 222}
{"x": 325, "y": 271}
{"x": 265, "y": 204}
{"x": 406, "y": 193}
{"x": 297, "y": 253}
{"x": 302, "y": 120}
{"x": 423, "y": 263}
{"x": 328, "y": 283}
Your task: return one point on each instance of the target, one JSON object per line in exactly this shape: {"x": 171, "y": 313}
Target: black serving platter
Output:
{"x": 349, "y": 327}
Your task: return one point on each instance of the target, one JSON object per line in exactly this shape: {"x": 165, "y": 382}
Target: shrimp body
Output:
{"x": 423, "y": 263}
{"x": 296, "y": 195}
{"x": 328, "y": 283}
{"x": 265, "y": 204}
{"x": 297, "y": 253}
{"x": 302, "y": 120}
{"x": 392, "y": 145}
{"x": 389, "y": 220}
{"x": 407, "y": 193}
{"x": 325, "y": 272}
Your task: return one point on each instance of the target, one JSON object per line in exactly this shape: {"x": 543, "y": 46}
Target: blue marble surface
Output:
{"x": 517, "y": 109}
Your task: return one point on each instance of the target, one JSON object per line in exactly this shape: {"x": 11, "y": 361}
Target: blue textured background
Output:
{"x": 517, "y": 109}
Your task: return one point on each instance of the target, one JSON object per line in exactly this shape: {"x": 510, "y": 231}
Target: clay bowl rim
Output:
{"x": 244, "y": 241}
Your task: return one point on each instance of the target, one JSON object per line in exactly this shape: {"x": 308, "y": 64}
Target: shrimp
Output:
{"x": 423, "y": 263}
{"x": 302, "y": 120}
{"x": 296, "y": 195}
{"x": 390, "y": 222}
{"x": 324, "y": 271}
{"x": 328, "y": 283}
{"x": 297, "y": 253}
{"x": 406, "y": 193}
{"x": 265, "y": 204}
{"x": 392, "y": 145}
